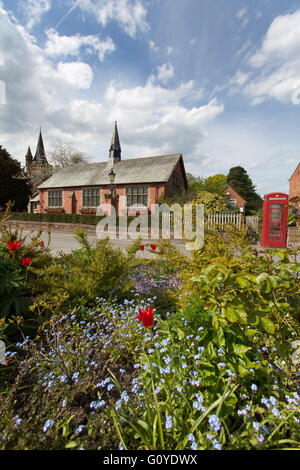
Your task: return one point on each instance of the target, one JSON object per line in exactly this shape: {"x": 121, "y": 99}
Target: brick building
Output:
{"x": 82, "y": 188}
{"x": 235, "y": 199}
{"x": 294, "y": 190}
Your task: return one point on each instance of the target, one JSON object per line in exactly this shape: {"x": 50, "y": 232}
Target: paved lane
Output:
{"x": 66, "y": 242}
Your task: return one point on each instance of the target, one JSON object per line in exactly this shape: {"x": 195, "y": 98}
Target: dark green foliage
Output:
{"x": 13, "y": 184}
{"x": 13, "y": 298}
{"x": 83, "y": 275}
{"x": 239, "y": 180}
{"x": 85, "y": 219}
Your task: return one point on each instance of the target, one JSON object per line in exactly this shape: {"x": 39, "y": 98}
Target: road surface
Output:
{"x": 66, "y": 242}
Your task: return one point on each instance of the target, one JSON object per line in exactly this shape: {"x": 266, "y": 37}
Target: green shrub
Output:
{"x": 13, "y": 298}
{"x": 84, "y": 274}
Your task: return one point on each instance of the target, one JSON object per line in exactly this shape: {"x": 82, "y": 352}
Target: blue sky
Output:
{"x": 218, "y": 81}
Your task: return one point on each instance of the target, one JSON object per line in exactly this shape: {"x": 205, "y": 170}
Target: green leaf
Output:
{"x": 230, "y": 314}
{"x": 219, "y": 337}
{"x": 262, "y": 277}
{"x": 71, "y": 445}
{"x": 268, "y": 325}
{"x": 180, "y": 333}
{"x": 240, "y": 349}
{"x": 243, "y": 282}
{"x": 251, "y": 332}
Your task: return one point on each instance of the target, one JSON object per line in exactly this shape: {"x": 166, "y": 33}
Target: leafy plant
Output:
{"x": 13, "y": 297}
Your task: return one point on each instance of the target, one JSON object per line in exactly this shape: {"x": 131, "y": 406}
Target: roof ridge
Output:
{"x": 154, "y": 156}
{"x": 125, "y": 160}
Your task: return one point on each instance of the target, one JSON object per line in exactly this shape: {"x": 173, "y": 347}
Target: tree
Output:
{"x": 212, "y": 202}
{"x": 215, "y": 184}
{"x": 39, "y": 172}
{"x": 65, "y": 154}
{"x": 14, "y": 185}
{"x": 239, "y": 180}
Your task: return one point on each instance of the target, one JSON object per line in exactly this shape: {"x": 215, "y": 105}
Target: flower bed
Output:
{"x": 178, "y": 353}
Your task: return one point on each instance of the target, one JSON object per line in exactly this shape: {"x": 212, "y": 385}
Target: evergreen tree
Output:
{"x": 240, "y": 181}
{"x": 14, "y": 185}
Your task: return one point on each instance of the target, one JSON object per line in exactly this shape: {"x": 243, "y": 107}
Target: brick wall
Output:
{"x": 293, "y": 238}
{"x": 295, "y": 185}
{"x": 72, "y": 198}
{"x": 240, "y": 202}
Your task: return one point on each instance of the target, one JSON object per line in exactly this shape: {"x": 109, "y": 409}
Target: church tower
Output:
{"x": 115, "y": 148}
{"x": 40, "y": 155}
{"x": 37, "y": 167}
{"x": 28, "y": 159}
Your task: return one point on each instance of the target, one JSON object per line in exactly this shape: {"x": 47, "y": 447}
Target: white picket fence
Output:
{"x": 224, "y": 218}
{"x": 219, "y": 220}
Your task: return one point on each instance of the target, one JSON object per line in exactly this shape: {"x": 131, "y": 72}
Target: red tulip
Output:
{"x": 142, "y": 247}
{"x": 13, "y": 246}
{"x": 26, "y": 261}
{"x": 146, "y": 317}
{"x": 42, "y": 243}
{"x": 153, "y": 247}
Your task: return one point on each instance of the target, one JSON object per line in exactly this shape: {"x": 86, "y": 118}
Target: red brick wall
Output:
{"x": 74, "y": 204}
{"x": 295, "y": 184}
{"x": 240, "y": 202}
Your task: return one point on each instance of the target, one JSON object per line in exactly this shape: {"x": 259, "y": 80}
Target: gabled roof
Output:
{"x": 133, "y": 170}
{"x": 294, "y": 171}
{"x": 229, "y": 189}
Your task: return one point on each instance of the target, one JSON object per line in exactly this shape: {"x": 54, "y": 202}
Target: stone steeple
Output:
{"x": 40, "y": 155}
{"x": 28, "y": 158}
{"x": 115, "y": 148}
{"x": 37, "y": 167}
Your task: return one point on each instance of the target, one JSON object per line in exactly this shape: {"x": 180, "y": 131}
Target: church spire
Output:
{"x": 28, "y": 158}
{"x": 28, "y": 155}
{"x": 40, "y": 155}
{"x": 115, "y": 148}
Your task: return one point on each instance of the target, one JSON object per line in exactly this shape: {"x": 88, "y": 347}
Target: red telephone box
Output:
{"x": 275, "y": 214}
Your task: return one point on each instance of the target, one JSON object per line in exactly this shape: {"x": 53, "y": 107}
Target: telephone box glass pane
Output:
{"x": 275, "y": 222}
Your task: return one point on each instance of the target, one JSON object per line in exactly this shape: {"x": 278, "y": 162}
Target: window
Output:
{"x": 137, "y": 195}
{"x": 176, "y": 184}
{"x": 55, "y": 198}
{"x": 232, "y": 202}
{"x": 91, "y": 197}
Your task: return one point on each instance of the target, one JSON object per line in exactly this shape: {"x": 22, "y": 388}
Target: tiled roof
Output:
{"x": 230, "y": 190}
{"x": 133, "y": 170}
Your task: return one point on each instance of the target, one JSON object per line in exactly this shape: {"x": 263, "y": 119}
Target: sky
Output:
{"x": 215, "y": 80}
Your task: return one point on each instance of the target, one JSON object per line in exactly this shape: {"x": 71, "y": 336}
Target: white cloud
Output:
{"x": 242, "y": 16}
{"x": 153, "y": 47}
{"x": 277, "y": 62}
{"x": 165, "y": 72}
{"x": 241, "y": 12}
{"x": 152, "y": 119}
{"x": 77, "y": 74}
{"x": 130, "y": 15}
{"x": 57, "y": 45}
{"x": 281, "y": 42}
{"x": 34, "y": 10}
{"x": 237, "y": 82}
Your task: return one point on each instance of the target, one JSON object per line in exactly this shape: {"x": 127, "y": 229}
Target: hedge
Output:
{"x": 86, "y": 219}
